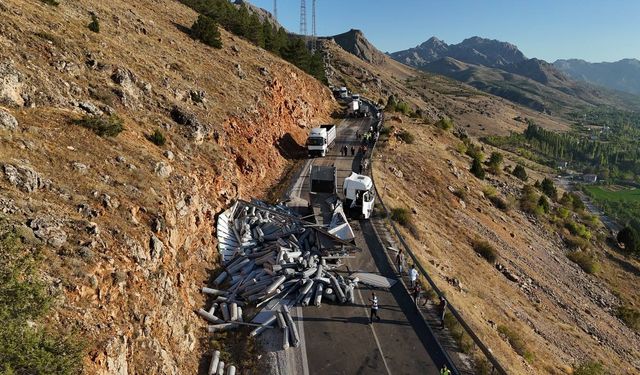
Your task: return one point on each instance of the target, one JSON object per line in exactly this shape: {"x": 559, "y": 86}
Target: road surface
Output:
{"x": 338, "y": 338}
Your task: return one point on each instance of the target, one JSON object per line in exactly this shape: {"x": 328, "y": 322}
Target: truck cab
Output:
{"x": 344, "y": 93}
{"x": 359, "y": 195}
{"x": 320, "y": 140}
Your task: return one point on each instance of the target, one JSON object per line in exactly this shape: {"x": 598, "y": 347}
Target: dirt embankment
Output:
{"x": 560, "y": 315}
{"x": 127, "y": 226}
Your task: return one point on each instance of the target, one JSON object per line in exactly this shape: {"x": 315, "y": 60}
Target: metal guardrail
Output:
{"x": 497, "y": 367}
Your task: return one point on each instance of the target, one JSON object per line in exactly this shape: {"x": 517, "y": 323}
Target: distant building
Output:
{"x": 590, "y": 178}
{"x": 561, "y": 165}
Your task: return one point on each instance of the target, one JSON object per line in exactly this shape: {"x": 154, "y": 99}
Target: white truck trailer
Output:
{"x": 321, "y": 139}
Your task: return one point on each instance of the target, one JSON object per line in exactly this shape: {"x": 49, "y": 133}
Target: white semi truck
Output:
{"x": 344, "y": 93}
{"x": 359, "y": 195}
{"x": 320, "y": 140}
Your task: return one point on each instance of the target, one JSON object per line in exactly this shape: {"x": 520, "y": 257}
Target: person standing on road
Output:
{"x": 357, "y": 134}
{"x": 353, "y": 150}
{"x": 416, "y": 293}
{"x": 400, "y": 262}
{"x": 374, "y": 307}
{"x": 413, "y": 276}
{"x": 443, "y": 310}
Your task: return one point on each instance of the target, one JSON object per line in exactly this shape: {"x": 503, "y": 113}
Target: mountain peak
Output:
{"x": 355, "y": 42}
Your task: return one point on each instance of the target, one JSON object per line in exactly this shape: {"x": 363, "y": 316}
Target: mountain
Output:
{"x": 354, "y": 42}
{"x": 474, "y": 50}
{"x": 623, "y": 75}
{"x": 500, "y": 68}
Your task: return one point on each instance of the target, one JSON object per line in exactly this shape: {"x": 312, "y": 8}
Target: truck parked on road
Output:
{"x": 344, "y": 93}
{"x": 321, "y": 139}
{"x": 359, "y": 195}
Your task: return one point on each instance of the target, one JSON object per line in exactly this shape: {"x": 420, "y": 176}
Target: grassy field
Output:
{"x": 614, "y": 193}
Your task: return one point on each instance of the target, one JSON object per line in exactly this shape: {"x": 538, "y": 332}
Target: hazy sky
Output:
{"x": 593, "y": 30}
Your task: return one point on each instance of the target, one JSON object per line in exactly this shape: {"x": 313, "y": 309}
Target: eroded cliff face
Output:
{"x": 127, "y": 227}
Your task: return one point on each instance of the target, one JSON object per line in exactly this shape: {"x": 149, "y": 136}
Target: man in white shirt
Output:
{"x": 374, "y": 307}
{"x": 413, "y": 276}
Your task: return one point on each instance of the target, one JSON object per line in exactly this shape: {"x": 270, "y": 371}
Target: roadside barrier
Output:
{"x": 496, "y": 366}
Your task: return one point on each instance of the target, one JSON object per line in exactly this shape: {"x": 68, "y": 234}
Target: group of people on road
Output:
{"x": 344, "y": 151}
{"x": 416, "y": 288}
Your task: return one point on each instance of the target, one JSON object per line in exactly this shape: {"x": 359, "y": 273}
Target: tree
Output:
{"x": 549, "y": 189}
{"x": 495, "y": 161}
{"x": 206, "y": 30}
{"x": 476, "y": 168}
{"x": 543, "y": 203}
{"x": 629, "y": 238}
{"x": 520, "y": 172}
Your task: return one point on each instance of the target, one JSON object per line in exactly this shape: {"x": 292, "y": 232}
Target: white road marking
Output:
{"x": 375, "y": 337}
{"x": 303, "y": 346}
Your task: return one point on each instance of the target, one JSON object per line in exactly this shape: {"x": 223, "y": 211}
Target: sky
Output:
{"x": 592, "y": 30}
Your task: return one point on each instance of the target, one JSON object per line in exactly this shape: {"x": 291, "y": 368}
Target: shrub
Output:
{"x": 385, "y": 131}
{"x": 206, "y": 30}
{"x": 445, "y": 123}
{"x": 549, "y": 189}
{"x": 495, "y": 162}
{"x": 520, "y": 172}
{"x": 630, "y": 316}
{"x": 575, "y": 242}
{"x": 473, "y": 150}
{"x": 489, "y": 191}
{"x": 529, "y": 199}
{"x": 587, "y": 261}
{"x": 518, "y": 344}
{"x": 157, "y": 138}
{"x": 461, "y": 148}
{"x": 578, "y": 229}
{"x": 406, "y": 137}
{"x": 401, "y": 216}
{"x": 499, "y": 203}
{"x": 543, "y": 203}
{"x": 103, "y": 126}
{"x": 460, "y": 193}
{"x": 576, "y": 202}
{"x": 629, "y": 238}
{"x": 563, "y": 213}
{"x": 26, "y": 348}
{"x": 94, "y": 25}
{"x": 485, "y": 249}
{"x": 589, "y": 368}
{"x": 403, "y": 107}
{"x": 476, "y": 168}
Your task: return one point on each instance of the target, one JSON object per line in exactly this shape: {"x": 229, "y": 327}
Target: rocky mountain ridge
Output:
{"x": 623, "y": 75}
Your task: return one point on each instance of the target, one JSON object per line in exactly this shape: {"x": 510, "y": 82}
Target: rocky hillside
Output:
{"x": 125, "y": 224}
{"x": 501, "y": 69}
{"x": 623, "y": 75}
{"x": 536, "y": 309}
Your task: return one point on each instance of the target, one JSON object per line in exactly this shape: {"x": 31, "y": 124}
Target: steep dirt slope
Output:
{"x": 435, "y": 96}
{"x": 127, "y": 225}
{"x": 563, "y": 315}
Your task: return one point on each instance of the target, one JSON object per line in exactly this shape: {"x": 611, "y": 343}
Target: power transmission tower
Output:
{"x": 303, "y": 17}
{"x": 275, "y": 9}
{"x": 313, "y": 25}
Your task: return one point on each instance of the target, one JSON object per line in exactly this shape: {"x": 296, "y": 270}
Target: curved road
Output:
{"x": 338, "y": 338}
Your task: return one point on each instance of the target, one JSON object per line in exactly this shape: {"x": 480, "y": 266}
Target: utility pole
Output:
{"x": 303, "y": 18}
{"x": 275, "y": 10}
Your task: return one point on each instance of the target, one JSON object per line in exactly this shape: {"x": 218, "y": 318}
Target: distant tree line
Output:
{"x": 246, "y": 24}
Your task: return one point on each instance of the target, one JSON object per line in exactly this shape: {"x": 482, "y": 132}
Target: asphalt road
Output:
{"x": 338, "y": 338}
